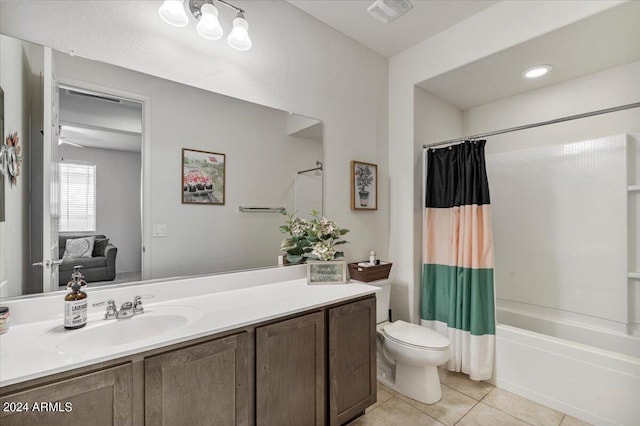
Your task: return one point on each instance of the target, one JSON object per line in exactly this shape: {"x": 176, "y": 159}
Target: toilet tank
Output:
{"x": 382, "y": 299}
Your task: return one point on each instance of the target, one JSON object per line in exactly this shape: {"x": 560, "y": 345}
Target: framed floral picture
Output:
{"x": 203, "y": 177}
{"x": 326, "y": 272}
{"x": 364, "y": 186}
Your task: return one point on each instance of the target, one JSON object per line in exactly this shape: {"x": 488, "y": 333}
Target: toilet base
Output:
{"x": 421, "y": 383}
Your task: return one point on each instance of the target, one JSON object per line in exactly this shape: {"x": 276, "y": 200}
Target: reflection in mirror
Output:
{"x": 119, "y": 164}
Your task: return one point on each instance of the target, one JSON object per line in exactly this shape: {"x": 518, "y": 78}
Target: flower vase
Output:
{"x": 364, "y": 198}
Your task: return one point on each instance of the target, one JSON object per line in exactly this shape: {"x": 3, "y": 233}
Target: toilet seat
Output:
{"x": 415, "y": 336}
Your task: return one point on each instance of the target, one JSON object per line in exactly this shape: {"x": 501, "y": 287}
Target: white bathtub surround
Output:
{"x": 595, "y": 385}
{"x": 210, "y": 304}
{"x": 567, "y": 238}
{"x": 560, "y": 227}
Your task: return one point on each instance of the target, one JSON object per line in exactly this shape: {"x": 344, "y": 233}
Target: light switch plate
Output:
{"x": 160, "y": 230}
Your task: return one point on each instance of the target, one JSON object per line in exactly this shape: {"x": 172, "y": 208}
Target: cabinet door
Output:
{"x": 102, "y": 398}
{"x": 352, "y": 359}
{"x": 205, "y": 384}
{"x": 290, "y": 369}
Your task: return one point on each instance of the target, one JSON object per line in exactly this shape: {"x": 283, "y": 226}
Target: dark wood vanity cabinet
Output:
{"x": 314, "y": 368}
{"x": 102, "y": 398}
{"x": 290, "y": 372}
{"x": 352, "y": 359}
{"x": 204, "y": 384}
{"x": 300, "y": 360}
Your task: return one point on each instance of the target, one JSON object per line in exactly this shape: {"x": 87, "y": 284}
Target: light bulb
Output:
{"x": 209, "y": 26}
{"x": 172, "y": 12}
{"x": 239, "y": 36}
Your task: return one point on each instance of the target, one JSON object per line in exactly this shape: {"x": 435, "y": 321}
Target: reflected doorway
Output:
{"x": 99, "y": 185}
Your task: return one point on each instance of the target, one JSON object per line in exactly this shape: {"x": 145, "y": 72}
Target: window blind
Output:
{"x": 77, "y": 197}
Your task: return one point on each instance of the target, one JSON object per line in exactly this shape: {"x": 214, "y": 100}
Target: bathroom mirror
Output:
{"x": 120, "y": 144}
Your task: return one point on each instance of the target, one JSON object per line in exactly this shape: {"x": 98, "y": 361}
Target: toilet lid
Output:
{"x": 416, "y": 335}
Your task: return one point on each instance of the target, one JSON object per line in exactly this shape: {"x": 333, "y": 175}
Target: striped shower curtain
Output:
{"x": 457, "y": 280}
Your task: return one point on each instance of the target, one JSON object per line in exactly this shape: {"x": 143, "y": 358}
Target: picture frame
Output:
{"x": 203, "y": 177}
{"x": 326, "y": 272}
{"x": 364, "y": 186}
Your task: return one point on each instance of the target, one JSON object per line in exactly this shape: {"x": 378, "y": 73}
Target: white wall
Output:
{"x": 117, "y": 199}
{"x": 496, "y": 28}
{"x": 15, "y": 79}
{"x": 296, "y": 64}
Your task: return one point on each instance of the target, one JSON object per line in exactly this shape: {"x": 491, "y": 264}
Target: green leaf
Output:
{"x": 338, "y": 255}
{"x": 294, "y": 258}
{"x": 343, "y": 231}
{"x": 337, "y": 243}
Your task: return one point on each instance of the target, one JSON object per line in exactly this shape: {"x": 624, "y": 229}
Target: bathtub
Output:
{"x": 584, "y": 371}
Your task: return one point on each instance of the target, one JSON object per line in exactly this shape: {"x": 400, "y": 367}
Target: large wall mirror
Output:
{"x": 129, "y": 150}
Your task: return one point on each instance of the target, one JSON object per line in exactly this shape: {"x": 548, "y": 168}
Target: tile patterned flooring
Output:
{"x": 464, "y": 403}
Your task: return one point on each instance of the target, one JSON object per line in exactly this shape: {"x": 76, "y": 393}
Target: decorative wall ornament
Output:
{"x": 203, "y": 177}
{"x": 12, "y": 158}
{"x": 364, "y": 186}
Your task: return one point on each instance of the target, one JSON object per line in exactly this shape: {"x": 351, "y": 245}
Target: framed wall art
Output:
{"x": 364, "y": 186}
{"x": 203, "y": 177}
{"x": 326, "y": 272}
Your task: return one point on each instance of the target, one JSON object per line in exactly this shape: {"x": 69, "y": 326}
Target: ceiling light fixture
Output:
{"x": 205, "y": 11}
{"x": 537, "y": 71}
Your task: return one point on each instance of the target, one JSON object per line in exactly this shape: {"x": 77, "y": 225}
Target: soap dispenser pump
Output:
{"x": 75, "y": 302}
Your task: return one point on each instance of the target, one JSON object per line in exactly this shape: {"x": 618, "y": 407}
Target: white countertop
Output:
{"x": 29, "y": 351}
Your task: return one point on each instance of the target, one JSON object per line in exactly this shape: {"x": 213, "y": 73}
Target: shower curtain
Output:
{"x": 457, "y": 281}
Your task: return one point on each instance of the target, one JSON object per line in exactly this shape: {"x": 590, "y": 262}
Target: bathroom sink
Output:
{"x": 100, "y": 334}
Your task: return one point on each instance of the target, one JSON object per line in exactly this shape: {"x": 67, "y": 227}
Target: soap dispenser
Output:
{"x": 75, "y": 302}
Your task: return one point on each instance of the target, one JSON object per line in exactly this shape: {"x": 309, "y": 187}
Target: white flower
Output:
{"x": 326, "y": 228}
{"x": 324, "y": 250}
{"x": 298, "y": 227}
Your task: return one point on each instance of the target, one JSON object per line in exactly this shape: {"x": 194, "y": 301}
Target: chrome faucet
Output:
{"x": 112, "y": 312}
{"x": 137, "y": 304}
{"x": 128, "y": 309}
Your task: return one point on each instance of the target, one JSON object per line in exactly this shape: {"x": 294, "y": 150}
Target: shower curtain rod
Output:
{"x": 529, "y": 126}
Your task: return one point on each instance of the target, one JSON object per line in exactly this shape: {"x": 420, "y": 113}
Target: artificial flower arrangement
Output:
{"x": 313, "y": 239}
{"x": 196, "y": 181}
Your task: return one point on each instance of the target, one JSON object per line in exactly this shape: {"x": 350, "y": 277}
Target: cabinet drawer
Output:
{"x": 103, "y": 398}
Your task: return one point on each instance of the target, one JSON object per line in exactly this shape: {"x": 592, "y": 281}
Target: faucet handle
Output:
{"x": 112, "y": 311}
{"x": 137, "y": 303}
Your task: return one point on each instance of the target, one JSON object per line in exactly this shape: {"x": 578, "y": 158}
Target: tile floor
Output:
{"x": 464, "y": 403}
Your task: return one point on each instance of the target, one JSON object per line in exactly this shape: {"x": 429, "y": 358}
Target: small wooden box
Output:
{"x": 369, "y": 273}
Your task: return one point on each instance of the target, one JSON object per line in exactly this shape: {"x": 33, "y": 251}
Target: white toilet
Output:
{"x": 408, "y": 354}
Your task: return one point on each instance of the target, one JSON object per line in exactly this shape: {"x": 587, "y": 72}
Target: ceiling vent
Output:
{"x": 389, "y": 10}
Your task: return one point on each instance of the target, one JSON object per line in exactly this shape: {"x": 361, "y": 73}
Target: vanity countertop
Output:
{"x": 31, "y": 350}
